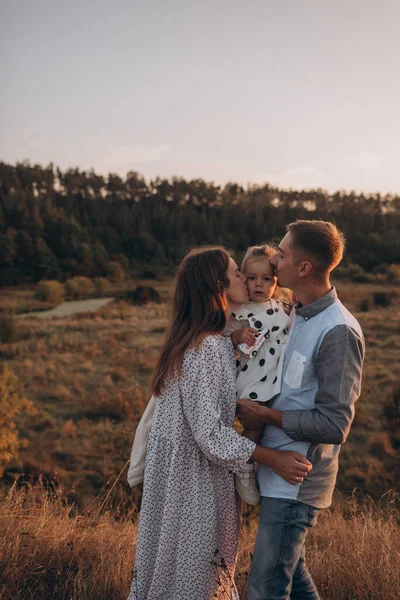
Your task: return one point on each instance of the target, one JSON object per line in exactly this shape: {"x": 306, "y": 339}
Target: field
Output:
{"x": 70, "y": 532}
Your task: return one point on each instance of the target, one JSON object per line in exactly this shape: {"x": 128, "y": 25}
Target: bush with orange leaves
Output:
{"x": 12, "y": 404}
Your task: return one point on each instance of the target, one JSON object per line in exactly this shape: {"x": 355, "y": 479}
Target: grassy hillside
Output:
{"x": 88, "y": 375}
{"x": 70, "y": 531}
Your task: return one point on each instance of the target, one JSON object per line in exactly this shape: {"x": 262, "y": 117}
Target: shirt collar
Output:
{"x": 316, "y": 307}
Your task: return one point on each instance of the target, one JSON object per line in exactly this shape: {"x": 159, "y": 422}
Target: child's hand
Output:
{"x": 247, "y": 336}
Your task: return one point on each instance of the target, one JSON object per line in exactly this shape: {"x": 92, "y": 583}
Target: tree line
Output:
{"x": 56, "y": 224}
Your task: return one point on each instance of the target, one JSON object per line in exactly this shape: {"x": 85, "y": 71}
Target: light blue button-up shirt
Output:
{"x": 321, "y": 380}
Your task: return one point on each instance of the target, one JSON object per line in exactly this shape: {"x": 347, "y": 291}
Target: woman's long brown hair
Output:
{"x": 198, "y": 308}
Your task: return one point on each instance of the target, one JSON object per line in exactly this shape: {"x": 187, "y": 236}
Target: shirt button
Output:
{"x": 306, "y": 318}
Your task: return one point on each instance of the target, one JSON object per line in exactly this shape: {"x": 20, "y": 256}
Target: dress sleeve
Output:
{"x": 201, "y": 383}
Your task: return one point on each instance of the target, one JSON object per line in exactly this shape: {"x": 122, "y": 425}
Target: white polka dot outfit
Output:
{"x": 190, "y": 515}
{"x": 259, "y": 375}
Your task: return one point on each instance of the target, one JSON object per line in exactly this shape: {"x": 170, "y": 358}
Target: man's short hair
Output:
{"x": 321, "y": 241}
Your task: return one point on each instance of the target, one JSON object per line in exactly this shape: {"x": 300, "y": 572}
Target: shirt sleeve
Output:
{"x": 202, "y": 382}
{"x": 338, "y": 371}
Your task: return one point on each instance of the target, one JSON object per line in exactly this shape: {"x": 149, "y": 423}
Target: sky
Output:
{"x": 297, "y": 93}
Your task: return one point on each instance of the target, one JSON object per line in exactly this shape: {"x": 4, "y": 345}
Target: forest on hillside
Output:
{"x": 55, "y": 224}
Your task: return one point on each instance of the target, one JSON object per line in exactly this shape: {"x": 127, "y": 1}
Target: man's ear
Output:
{"x": 305, "y": 268}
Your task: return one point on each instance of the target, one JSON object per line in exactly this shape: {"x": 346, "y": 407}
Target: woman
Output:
{"x": 190, "y": 517}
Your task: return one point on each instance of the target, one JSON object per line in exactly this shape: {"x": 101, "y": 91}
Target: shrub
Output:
{"x": 8, "y": 329}
{"x": 115, "y": 271}
{"x": 51, "y": 291}
{"x": 79, "y": 287}
{"x": 122, "y": 260}
{"x": 393, "y": 273}
{"x": 365, "y": 304}
{"x": 11, "y": 405}
{"x": 380, "y": 278}
{"x": 149, "y": 274}
{"x": 142, "y": 295}
{"x": 102, "y": 285}
{"x": 382, "y": 299}
{"x": 392, "y": 411}
{"x": 381, "y": 269}
{"x": 362, "y": 277}
{"x": 353, "y": 272}
{"x": 381, "y": 446}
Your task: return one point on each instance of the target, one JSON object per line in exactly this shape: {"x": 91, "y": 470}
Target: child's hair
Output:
{"x": 257, "y": 252}
{"x": 267, "y": 251}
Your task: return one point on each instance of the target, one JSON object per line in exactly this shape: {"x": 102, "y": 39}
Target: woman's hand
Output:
{"x": 291, "y": 466}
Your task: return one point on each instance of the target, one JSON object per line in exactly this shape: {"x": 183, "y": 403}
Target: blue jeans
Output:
{"x": 278, "y": 569}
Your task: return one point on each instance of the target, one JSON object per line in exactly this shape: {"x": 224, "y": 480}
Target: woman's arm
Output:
{"x": 201, "y": 384}
{"x": 291, "y": 466}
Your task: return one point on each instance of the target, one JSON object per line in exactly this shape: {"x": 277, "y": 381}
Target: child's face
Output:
{"x": 260, "y": 279}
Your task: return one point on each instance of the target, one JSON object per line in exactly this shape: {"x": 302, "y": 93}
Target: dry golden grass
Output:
{"x": 46, "y": 552}
{"x": 50, "y": 552}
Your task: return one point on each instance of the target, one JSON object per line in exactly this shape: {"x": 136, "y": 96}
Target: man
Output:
{"x": 312, "y": 414}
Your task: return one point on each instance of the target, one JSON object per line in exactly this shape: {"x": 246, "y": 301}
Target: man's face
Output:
{"x": 283, "y": 263}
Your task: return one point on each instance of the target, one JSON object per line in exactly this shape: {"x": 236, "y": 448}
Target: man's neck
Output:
{"x": 310, "y": 292}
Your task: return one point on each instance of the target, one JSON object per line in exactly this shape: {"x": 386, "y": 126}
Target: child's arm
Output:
{"x": 246, "y": 335}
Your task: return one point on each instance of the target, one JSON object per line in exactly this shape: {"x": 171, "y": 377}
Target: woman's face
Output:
{"x": 237, "y": 290}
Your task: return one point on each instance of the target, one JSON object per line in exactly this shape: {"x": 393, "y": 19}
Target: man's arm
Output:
{"x": 338, "y": 370}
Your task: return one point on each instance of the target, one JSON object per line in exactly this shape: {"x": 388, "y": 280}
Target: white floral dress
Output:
{"x": 190, "y": 515}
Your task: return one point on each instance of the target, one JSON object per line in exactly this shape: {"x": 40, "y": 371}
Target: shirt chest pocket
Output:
{"x": 295, "y": 370}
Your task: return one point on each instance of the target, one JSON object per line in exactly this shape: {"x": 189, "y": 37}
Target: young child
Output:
{"x": 259, "y": 329}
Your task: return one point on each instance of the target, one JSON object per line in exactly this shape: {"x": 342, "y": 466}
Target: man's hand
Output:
{"x": 250, "y": 411}
{"x": 246, "y": 335}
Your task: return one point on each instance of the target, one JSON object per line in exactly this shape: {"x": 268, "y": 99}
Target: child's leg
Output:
{"x": 245, "y": 478}
{"x": 254, "y": 434}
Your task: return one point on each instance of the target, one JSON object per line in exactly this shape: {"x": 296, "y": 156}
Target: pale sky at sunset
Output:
{"x": 298, "y": 93}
